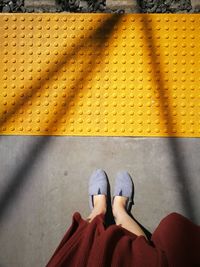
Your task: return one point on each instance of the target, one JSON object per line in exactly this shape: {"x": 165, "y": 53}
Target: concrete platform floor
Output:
{"x": 43, "y": 180}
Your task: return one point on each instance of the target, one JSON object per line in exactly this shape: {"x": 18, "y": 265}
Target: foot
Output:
{"x": 99, "y": 206}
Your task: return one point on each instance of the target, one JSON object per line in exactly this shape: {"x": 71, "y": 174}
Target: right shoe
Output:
{"x": 98, "y": 185}
{"x": 124, "y": 186}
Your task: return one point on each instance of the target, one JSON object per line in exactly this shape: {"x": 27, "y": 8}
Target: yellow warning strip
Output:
{"x": 100, "y": 74}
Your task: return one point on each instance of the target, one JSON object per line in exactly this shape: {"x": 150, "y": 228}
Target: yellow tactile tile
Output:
{"x": 100, "y": 74}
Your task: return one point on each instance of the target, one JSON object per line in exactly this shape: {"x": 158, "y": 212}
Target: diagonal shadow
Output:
{"x": 101, "y": 35}
{"x": 182, "y": 175}
{"x": 38, "y": 85}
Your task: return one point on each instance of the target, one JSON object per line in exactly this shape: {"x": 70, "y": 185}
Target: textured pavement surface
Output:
{"x": 43, "y": 180}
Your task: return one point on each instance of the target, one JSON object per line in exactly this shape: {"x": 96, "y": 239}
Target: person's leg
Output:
{"x": 123, "y": 219}
{"x": 99, "y": 207}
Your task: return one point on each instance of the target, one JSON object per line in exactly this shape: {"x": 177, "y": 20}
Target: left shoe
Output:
{"x": 124, "y": 186}
{"x": 98, "y": 185}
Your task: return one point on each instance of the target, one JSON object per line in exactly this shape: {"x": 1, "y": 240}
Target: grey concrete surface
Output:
{"x": 195, "y": 3}
{"x": 36, "y": 3}
{"x": 43, "y": 180}
{"x": 126, "y": 4}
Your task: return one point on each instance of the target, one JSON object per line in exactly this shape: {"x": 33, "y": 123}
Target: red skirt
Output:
{"x": 174, "y": 243}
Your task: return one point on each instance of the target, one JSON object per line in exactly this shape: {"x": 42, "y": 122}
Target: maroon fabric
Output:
{"x": 175, "y": 243}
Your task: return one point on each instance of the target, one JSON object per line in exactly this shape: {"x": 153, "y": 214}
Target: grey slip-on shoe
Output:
{"x": 98, "y": 185}
{"x": 124, "y": 186}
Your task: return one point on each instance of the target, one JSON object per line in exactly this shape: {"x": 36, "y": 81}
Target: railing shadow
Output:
{"x": 20, "y": 176}
{"x": 38, "y": 85}
{"x": 182, "y": 175}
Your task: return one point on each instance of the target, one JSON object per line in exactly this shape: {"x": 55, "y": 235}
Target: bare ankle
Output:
{"x": 99, "y": 206}
{"x": 119, "y": 205}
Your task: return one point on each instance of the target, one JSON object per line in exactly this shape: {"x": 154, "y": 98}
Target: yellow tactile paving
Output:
{"x": 100, "y": 74}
